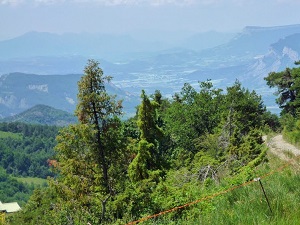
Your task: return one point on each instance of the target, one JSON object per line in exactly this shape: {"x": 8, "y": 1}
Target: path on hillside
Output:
{"x": 278, "y": 146}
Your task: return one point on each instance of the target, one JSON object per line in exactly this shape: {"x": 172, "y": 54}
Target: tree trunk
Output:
{"x": 100, "y": 154}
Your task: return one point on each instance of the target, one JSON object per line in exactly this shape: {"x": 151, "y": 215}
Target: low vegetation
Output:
{"x": 246, "y": 204}
{"x": 35, "y": 181}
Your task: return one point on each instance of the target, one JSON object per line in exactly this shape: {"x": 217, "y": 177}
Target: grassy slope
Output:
{"x": 32, "y": 180}
{"x": 4, "y": 134}
{"x": 247, "y": 205}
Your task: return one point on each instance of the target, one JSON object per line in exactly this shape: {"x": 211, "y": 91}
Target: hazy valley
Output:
{"x": 135, "y": 65}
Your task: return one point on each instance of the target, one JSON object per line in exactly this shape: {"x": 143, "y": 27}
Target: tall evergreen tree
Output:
{"x": 99, "y": 109}
{"x": 150, "y": 134}
{"x": 88, "y": 150}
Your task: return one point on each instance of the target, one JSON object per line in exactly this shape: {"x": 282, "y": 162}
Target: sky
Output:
{"x": 142, "y": 16}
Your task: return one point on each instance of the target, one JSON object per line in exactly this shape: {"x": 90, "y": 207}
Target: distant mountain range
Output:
{"x": 106, "y": 46}
{"x": 247, "y": 56}
{"x": 253, "y": 54}
{"x": 253, "y": 41}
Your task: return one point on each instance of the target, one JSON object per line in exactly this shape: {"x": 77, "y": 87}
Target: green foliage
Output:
{"x": 287, "y": 83}
{"x": 291, "y": 129}
{"x": 39, "y": 209}
{"x": 80, "y": 182}
{"x": 171, "y": 153}
{"x": 12, "y": 190}
{"x": 148, "y": 157}
{"x": 91, "y": 155}
{"x": 246, "y": 109}
{"x": 25, "y": 148}
{"x": 209, "y": 143}
{"x": 243, "y": 205}
{"x": 98, "y": 109}
{"x": 147, "y": 120}
{"x": 35, "y": 181}
{"x": 138, "y": 169}
{"x": 16, "y": 136}
{"x": 201, "y": 159}
{"x": 193, "y": 114}
{"x": 250, "y": 146}
{"x": 272, "y": 122}
{"x": 180, "y": 158}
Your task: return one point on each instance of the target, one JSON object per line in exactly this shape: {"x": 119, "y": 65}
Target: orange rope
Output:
{"x": 208, "y": 197}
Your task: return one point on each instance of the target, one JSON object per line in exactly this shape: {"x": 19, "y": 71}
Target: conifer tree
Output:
{"x": 150, "y": 134}
{"x": 97, "y": 108}
{"x": 88, "y": 150}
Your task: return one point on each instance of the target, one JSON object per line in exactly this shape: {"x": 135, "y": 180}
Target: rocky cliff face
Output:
{"x": 282, "y": 54}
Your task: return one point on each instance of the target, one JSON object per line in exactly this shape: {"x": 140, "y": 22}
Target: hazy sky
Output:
{"x": 128, "y": 16}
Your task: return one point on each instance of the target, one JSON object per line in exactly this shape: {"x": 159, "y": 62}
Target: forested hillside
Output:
{"x": 12, "y": 190}
{"x": 172, "y": 152}
{"x": 25, "y": 149}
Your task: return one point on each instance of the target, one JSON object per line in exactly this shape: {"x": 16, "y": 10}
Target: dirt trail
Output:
{"x": 280, "y": 147}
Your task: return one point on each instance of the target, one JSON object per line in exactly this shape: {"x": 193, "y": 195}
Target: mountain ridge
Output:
{"x": 43, "y": 114}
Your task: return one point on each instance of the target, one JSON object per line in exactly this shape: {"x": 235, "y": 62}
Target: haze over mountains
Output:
{"x": 20, "y": 92}
{"x": 136, "y": 64}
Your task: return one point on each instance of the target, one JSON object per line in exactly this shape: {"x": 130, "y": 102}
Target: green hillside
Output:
{"x": 43, "y": 114}
{"x": 25, "y": 148}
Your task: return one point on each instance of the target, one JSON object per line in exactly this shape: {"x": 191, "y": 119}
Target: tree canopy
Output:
{"x": 287, "y": 83}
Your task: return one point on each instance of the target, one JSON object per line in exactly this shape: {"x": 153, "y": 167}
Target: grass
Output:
{"x": 4, "y": 134}
{"x": 33, "y": 181}
{"x": 247, "y": 204}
